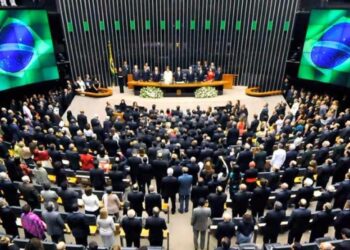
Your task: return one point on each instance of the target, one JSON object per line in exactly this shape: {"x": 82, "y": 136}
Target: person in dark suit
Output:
{"x": 232, "y": 135}
{"x": 244, "y": 158}
{"x": 306, "y": 157}
{"x": 29, "y": 193}
{"x": 146, "y": 74}
{"x": 134, "y": 161}
{"x": 69, "y": 197}
{"x": 156, "y": 226}
{"x": 97, "y": 178}
{"x": 218, "y": 74}
{"x": 290, "y": 173}
{"x": 342, "y": 220}
{"x": 259, "y": 199}
{"x": 199, "y": 191}
{"x": 291, "y": 155}
{"x": 298, "y": 222}
{"x": 170, "y": 187}
{"x": 283, "y": 195}
{"x": 185, "y": 184}
{"x": 306, "y": 192}
{"x": 159, "y": 167}
{"x": 273, "y": 221}
{"x": 260, "y": 158}
{"x": 9, "y": 190}
{"x": 136, "y": 198}
{"x": 200, "y": 75}
{"x": 345, "y": 244}
{"x": 217, "y": 202}
{"x": 342, "y": 193}
{"x": 225, "y": 228}
{"x": 116, "y": 176}
{"x": 73, "y": 157}
{"x": 322, "y": 153}
{"x": 136, "y": 74}
{"x": 178, "y": 75}
{"x": 121, "y": 79}
{"x": 152, "y": 199}
{"x": 324, "y": 172}
{"x": 251, "y": 176}
{"x": 341, "y": 168}
{"x": 8, "y": 218}
{"x": 78, "y": 224}
{"x": 156, "y": 76}
{"x": 321, "y": 222}
{"x": 144, "y": 175}
{"x": 240, "y": 201}
{"x": 82, "y": 120}
{"x": 132, "y": 227}
{"x": 324, "y": 197}
{"x": 54, "y": 223}
{"x": 190, "y": 75}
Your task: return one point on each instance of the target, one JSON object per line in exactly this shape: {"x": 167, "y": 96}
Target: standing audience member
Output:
{"x": 225, "y": 229}
{"x": 33, "y": 226}
{"x": 29, "y": 192}
{"x": 78, "y": 224}
{"x": 54, "y": 223}
{"x": 170, "y": 187}
{"x": 152, "y": 199}
{"x": 156, "y": 227}
{"x": 245, "y": 229}
{"x": 132, "y": 227}
{"x": 200, "y": 221}
{"x": 185, "y": 184}
{"x": 91, "y": 202}
{"x": 106, "y": 228}
{"x": 273, "y": 221}
{"x": 298, "y": 222}
{"x": 112, "y": 203}
{"x": 8, "y": 219}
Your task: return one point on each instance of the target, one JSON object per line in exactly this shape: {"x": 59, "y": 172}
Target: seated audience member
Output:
{"x": 132, "y": 227}
{"x": 136, "y": 74}
{"x": 156, "y": 226}
{"x": 210, "y": 75}
{"x": 245, "y": 229}
{"x": 178, "y": 76}
{"x": 81, "y": 84}
{"x": 225, "y": 229}
{"x": 146, "y": 74}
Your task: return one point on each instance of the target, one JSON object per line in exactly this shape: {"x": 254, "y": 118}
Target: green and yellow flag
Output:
{"x": 111, "y": 60}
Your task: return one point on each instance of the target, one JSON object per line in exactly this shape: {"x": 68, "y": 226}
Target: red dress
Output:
{"x": 87, "y": 162}
{"x": 210, "y": 75}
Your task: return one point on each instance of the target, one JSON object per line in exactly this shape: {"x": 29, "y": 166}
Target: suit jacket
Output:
{"x": 273, "y": 221}
{"x": 69, "y": 197}
{"x": 225, "y": 229}
{"x": 200, "y": 218}
{"x": 260, "y": 160}
{"x": 8, "y": 218}
{"x": 97, "y": 177}
{"x": 289, "y": 175}
{"x": 341, "y": 168}
{"x": 299, "y": 220}
{"x": 342, "y": 220}
{"x": 344, "y": 245}
{"x": 243, "y": 160}
{"x": 159, "y": 168}
{"x": 304, "y": 193}
{"x": 30, "y": 194}
{"x": 54, "y": 222}
{"x": 136, "y": 199}
{"x": 77, "y": 223}
{"x": 74, "y": 159}
{"x": 152, "y": 200}
{"x": 82, "y": 121}
{"x": 117, "y": 180}
{"x": 170, "y": 186}
{"x": 259, "y": 198}
{"x": 132, "y": 227}
{"x": 232, "y": 136}
{"x": 185, "y": 183}
{"x": 283, "y": 196}
{"x": 342, "y": 194}
{"x": 216, "y": 203}
{"x": 10, "y": 192}
{"x": 321, "y": 221}
{"x": 199, "y": 192}
{"x": 240, "y": 201}
{"x": 155, "y": 225}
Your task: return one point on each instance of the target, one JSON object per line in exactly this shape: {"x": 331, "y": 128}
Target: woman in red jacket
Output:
{"x": 87, "y": 160}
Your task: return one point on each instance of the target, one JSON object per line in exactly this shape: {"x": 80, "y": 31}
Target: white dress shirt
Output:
{"x": 278, "y": 158}
{"x": 168, "y": 77}
{"x": 91, "y": 203}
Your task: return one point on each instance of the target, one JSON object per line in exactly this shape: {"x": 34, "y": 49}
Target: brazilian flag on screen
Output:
{"x": 111, "y": 59}
{"x": 26, "y": 49}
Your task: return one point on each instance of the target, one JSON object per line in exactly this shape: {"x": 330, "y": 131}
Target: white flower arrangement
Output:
{"x": 206, "y": 92}
{"x": 151, "y": 92}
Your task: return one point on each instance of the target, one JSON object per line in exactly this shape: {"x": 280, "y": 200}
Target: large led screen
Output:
{"x": 26, "y": 49}
{"x": 326, "y": 52}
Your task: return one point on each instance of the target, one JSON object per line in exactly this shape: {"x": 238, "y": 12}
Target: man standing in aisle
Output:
{"x": 185, "y": 184}
{"x": 200, "y": 222}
